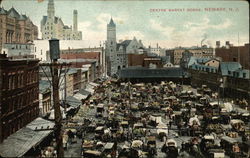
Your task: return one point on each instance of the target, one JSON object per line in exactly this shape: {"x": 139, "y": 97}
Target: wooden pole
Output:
{"x": 57, "y": 110}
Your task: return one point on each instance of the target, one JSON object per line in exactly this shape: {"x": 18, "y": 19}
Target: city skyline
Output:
{"x": 152, "y": 22}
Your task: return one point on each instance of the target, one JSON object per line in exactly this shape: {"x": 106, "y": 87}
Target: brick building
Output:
{"x": 86, "y": 56}
{"x": 176, "y": 54}
{"x": 136, "y": 59}
{"x": 16, "y": 28}
{"x": 239, "y": 54}
{"x": 235, "y": 79}
{"x": 19, "y": 89}
{"x": 143, "y": 60}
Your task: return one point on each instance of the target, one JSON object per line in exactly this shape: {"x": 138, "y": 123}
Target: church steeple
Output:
{"x": 51, "y": 9}
{"x": 111, "y": 23}
{"x": 111, "y": 32}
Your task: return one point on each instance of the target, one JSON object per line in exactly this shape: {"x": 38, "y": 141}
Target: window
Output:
{"x": 244, "y": 75}
{"x": 10, "y": 82}
{"x": 229, "y": 72}
{"x": 13, "y": 82}
{"x": 41, "y": 52}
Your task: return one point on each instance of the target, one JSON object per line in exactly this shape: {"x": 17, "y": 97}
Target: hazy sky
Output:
{"x": 169, "y": 28}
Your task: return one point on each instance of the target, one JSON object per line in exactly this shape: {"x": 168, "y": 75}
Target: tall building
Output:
{"x": 53, "y": 27}
{"x": 117, "y": 53}
{"x": 19, "y": 89}
{"x": 111, "y": 48}
{"x": 16, "y": 28}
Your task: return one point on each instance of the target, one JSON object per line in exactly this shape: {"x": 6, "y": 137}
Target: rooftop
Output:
{"x": 225, "y": 67}
{"x": 17, "y": 144}
{"x": 141, "y": 72}
{"x": 111, "y": 23}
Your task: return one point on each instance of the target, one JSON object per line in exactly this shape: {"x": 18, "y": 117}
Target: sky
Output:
{"x": 168, "y": 23}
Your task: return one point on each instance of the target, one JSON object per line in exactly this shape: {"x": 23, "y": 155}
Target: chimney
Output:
{"x": 75, "y": 20}
{"x": 227, "y": 44}
{"x": 217, "y": 44}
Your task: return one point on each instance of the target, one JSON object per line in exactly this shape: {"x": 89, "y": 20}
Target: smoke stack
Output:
{"x": 227, "y": 44}
{"x": 217, "y": 44}
{"x": 75, "y": 24}
{"x": 204, "y": 38}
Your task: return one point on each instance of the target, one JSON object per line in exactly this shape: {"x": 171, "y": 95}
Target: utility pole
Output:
{"x": 55, "y": 75}
{"x": 54, "y": 55}
{"x": 57, "y": 110}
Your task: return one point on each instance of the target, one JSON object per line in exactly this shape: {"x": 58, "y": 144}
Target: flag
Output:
{"x": 40, "y": 1}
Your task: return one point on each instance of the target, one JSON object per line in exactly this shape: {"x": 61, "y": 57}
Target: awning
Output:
{"x": 17, "y": 144}
{"x": 91, "y": 90}
{"x": 93, "y": 84}
{"x": 72, "y": 101}
{"x": 80, "y": 96}
{"x": 84, "y": 92}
